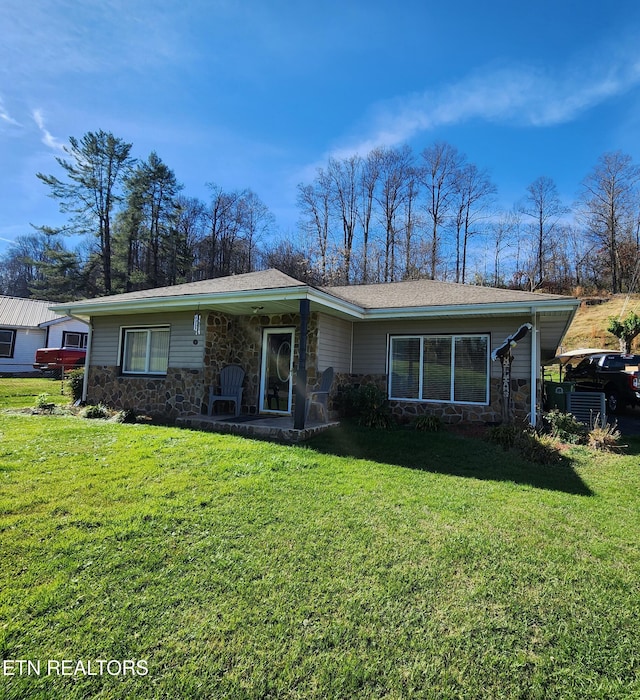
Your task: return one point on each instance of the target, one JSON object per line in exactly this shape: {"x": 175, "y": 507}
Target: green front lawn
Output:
{"x": 22, "y": 392}
{"x": 363, "y": 565}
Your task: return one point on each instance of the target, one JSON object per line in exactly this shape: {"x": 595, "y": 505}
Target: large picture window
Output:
{"x": 145, "y": 350}
{"x": 444, "y": 368}
{"x": 7, "y": 342}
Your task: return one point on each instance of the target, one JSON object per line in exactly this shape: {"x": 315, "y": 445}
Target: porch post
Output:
{"x": 301, "y": 374}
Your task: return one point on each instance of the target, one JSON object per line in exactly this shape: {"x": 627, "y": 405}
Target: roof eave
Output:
{"x": 466, "y": 310}
{"x": 87, "y": 309}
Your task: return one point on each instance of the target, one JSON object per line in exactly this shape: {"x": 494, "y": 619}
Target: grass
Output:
{"x": 589, "y": 327}
{"x": 363, "y": 565}
{"x": 22, "y": 392}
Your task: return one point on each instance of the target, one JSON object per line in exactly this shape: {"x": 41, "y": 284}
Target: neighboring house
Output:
{"x": 29, "y": 324}
{"x": 427, "y": 344}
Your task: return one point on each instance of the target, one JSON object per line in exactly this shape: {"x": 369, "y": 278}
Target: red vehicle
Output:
{"x": 62, "y": 359}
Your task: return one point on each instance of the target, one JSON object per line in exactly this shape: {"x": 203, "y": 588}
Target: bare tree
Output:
{"x": 344, "y": 177}
{"x": 608, "y": 204}
{"x": 315, "y": 202}
{"x": 542, "y": 204}
{"x": 369, "y": 175}
{"x": 395, "y": 167}
{"x": 440, "y": 169}
{"x": 473, "y": 192}
{"x": 503, "y": 232}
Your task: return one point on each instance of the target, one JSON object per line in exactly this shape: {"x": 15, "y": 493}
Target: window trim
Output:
{"x": 452, "y": 337}
{"x": 12, "y": 342}
{"x": 123, "y": 346}
{"x": 83, "y": 339}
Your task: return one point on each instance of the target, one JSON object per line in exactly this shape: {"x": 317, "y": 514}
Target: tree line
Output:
{"x": 386, "y": 216}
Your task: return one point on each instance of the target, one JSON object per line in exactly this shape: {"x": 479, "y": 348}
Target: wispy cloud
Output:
{"x": 47, "y": 137}
{"x": 6, "y": 117}
{"x": 521, "y": 96}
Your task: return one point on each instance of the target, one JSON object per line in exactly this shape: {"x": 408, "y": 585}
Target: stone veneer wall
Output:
{"x": 238, "y": 340}
{"x": 181, "y": 392}
{"x": 404, "y": 411}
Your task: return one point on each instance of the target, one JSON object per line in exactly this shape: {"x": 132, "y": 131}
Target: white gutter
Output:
{"x": 148, "y": 304}
{"x": 467, "y": 310}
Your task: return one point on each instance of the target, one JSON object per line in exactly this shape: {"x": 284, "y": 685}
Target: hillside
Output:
{"x": 589, "y": 327}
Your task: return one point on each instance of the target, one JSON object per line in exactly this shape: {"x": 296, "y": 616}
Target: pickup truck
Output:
{"x": 59, "y": 359}
{"x": 615, "y": 374}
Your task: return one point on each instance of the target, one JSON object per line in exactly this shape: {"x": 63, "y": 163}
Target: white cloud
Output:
{"x": 521, "y": 96}
{"x": 6, "y": 117}
{"x": 47, "y": 138}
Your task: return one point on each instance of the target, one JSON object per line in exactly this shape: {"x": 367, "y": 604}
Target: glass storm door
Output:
{"x": 276, "y": 386}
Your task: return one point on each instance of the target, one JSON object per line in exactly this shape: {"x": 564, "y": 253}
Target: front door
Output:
{"x": 276, "y": 384}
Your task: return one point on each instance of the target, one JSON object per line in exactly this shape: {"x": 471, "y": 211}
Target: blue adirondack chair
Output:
{"x": 230, "y": 388}
{"x": 320, "y": 397}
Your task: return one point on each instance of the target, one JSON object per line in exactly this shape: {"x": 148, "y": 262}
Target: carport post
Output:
{"x": 301, "y": 374}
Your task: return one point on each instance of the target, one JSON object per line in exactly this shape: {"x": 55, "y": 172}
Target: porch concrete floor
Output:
{"x": 279, "y": 428}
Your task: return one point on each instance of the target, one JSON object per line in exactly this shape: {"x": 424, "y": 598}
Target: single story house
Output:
{"x": 427, "y": 344}
{"x": 29, "y": 324}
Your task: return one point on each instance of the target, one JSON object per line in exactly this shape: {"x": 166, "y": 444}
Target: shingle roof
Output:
{"x": 419, "y": 293}
{"x": 16, "y": 312}
{"x": 250, "y": 281}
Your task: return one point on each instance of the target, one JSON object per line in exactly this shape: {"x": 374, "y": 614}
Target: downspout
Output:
{"x": 85, "y": 381}
{"x": 534, "y": 367}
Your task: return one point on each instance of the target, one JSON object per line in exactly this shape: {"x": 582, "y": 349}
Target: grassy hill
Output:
{"x": 589, "y": 327}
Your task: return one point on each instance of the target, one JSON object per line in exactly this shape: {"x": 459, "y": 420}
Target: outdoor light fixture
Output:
{"x": 257, "y": 308}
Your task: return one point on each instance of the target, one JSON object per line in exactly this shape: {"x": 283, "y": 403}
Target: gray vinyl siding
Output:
{"x": 334, "y": 343}
{"x": 370, "y": 340}
{"x": 107, "y": 330}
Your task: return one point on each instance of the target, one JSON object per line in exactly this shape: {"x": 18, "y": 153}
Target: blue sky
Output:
{"x": 258, "y": 94}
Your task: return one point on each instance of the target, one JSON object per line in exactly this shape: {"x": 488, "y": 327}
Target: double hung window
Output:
{"x": 443, "y": 368}
{"x": 7, "y": 342}
{"x": 71, "y": 339}
{"x": 145, "y": 350}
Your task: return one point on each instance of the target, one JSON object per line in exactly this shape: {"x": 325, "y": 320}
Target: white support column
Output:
{"x": 535, "y": 355}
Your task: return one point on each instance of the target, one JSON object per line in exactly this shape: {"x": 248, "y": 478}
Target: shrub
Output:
{"x": 505, "y": 435}
{"x": 128, "y": 415}
{"x": 605, "y": 438}
{"x": 97, "y": 411}
{"x": 75, "y": 380}
{"x": 43, "y": 403}
{"x": 367, "y": 405}
{"x": 541, "y": 449}
{"x": 428, "y": 424}
{"x": 565, "y": 427}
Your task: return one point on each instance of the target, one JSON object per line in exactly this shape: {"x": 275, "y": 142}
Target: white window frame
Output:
{"x": 123, "y": 352}
{"x": 452, "y": 338}
{"x": 82, "y": 337}
{"x": 11, "y": 343}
